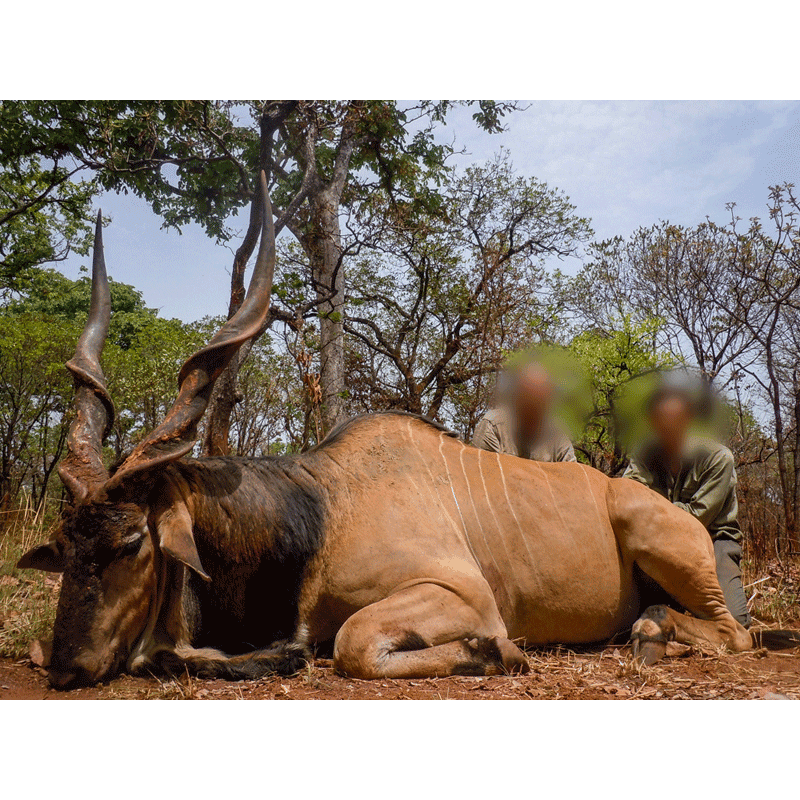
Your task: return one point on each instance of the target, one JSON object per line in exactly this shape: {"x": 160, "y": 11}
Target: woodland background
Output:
{"x": 402, "y": 283}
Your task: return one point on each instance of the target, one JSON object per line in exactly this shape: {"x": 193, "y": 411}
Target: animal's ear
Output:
{"x": 174, "y": 527}
{"x": 48, "y": 557}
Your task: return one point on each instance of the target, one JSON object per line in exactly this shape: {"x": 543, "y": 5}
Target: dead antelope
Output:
{"x": 411, "y": 553}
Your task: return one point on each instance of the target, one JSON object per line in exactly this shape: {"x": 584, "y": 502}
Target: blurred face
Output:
{"x": 533, "y": 398}
{"x": 670, "y": 420}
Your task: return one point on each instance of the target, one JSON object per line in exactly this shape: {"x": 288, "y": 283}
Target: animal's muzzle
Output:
{"x": 68, "y": 679}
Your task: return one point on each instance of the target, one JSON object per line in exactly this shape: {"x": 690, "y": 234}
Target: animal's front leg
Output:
{"x": 426, "y": 631}
{"x": 283, "y": 659}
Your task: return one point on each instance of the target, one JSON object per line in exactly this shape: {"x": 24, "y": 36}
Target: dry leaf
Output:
{"x": 40, "y": 652}
{"x": 776, "y": 696}
{"x": 676, "y": 650}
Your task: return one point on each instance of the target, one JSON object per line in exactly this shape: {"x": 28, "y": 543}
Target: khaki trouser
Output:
{"x": 728, "y": 555}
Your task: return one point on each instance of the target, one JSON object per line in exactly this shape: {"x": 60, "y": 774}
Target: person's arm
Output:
{"x": 637, "y": 472}
{"x": 716, "y": 481}
{"x": 486, "y": 436}
{"x": 566, "y": 452}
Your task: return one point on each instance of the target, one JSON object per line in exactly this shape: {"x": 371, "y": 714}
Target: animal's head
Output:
{"x": 108, "y": 561}
{"x": 113, "y": 540}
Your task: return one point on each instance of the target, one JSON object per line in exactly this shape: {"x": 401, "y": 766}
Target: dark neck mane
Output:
{"x": 257, "y": 524}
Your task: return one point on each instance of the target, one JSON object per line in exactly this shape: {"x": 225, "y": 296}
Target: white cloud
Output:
{"x": 627, "y": 164}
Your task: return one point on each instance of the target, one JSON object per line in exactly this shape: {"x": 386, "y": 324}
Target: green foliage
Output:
{"x": 142, "y": 376}
{"x": 45, "y": 201}
{"x": 49, "y": 294}
{"x": 33, "y": 385}
{"x": 43, "y": 216}
{"x": 39, "y": 327}
{"x": 195, "y": 161}
{"x": 615, "y": 364}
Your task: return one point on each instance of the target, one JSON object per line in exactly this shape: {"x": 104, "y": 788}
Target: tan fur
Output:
{"x": 448, "y": 542}
{"x": 436, "y": 558}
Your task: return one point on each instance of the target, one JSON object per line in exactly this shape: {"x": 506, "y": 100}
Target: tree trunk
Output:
{"x": 795, "y": 545}
{"x": 218, "y": 420}
{"x": 224, "y": 396}
{"x": 325, "y": 253}
{"x": 783, "y": 472}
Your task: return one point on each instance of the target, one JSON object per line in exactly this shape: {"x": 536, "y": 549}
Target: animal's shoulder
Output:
{"x": 379, "y": 418}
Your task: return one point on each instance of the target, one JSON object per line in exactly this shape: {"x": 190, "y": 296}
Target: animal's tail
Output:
{"x": 775, "y": 640}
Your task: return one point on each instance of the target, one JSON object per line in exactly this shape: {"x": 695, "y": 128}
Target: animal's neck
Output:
{"x": 257, "y": 525}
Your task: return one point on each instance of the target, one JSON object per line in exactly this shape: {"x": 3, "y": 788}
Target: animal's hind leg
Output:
{"x": 426, "y": 631}
{"x": 675, "y": 550}
{"x": 687, "y": 573}
{"x": 660, "y": 626}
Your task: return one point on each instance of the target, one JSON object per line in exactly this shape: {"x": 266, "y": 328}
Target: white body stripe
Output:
{"x": 513, "y": 512}
{"x": 433, "y": 491}
{"x": 478, "y": 516}
{"x": 455, "y": 500}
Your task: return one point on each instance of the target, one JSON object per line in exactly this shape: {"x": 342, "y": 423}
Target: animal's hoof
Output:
{"x": 648, "y": 651}
{"x": 510, "y": 657}
{"x": 648, "y": 637}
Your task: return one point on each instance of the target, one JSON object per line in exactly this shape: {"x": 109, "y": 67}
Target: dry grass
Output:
{"x": 699, "y": 674}
{"x": 774, "y": 592}
{"x": 27, "y": 597}
{"x": 556, "y": 673}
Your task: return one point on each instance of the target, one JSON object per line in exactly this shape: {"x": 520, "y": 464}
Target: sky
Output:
{"x": 623, "y": 165}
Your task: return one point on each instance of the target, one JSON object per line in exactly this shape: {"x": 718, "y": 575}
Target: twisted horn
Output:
{"x": 176, "y": 435}
{"x": 82, "y": 468}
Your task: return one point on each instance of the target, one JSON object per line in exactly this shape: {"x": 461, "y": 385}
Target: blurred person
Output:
{"x": 698, "y": 475}
{"x": 522, "y": 425}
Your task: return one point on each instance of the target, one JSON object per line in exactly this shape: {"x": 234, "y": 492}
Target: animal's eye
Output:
{"x": 131, "y": 547}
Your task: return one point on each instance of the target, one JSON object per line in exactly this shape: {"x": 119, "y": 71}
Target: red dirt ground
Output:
{"x": 557, "y": 673}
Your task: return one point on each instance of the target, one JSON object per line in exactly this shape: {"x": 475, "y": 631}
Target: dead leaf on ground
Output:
{"x": 40, "y": 652}
{"x": 676, "y": 650}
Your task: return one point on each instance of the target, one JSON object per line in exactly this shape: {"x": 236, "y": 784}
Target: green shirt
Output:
{"x": 495, "y": 432}
{"x": 705, "y": 485}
